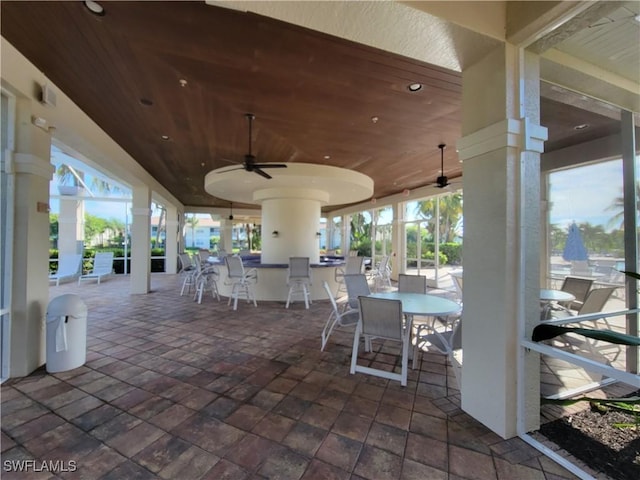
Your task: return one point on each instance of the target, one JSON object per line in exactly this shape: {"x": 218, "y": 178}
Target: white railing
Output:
{"x": 608, "y": 371}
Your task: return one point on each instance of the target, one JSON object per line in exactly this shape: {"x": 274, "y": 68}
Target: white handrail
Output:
{"x": 606, "y": 370}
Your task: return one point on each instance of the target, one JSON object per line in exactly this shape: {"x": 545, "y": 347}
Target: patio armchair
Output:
{"x": 412, "y": 283}
{"x": 354, "y": 265}
{"x": 338, "y": 319}
{"x": 443, "y": 337}
{"x": 357, "y": 285}
{"x": 579, "y": 288}
{"x": 381, "y": 318}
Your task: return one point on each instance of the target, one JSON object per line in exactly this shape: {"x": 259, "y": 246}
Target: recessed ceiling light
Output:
{"x": 146, "y": 102}
{"x": 165, "y": 137}
{"x": 582, "y": 126}
{"x": 327, "y": 157}
{"x": 414, "y": 87}
{"x": 94, "y": 7}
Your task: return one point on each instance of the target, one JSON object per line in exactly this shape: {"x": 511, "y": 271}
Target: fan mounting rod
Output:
{"x": 442, "y": 181}
{"x": 250, "y": 118}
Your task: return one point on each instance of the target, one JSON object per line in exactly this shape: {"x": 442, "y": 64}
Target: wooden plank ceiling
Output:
{"x": 190, "y": 72}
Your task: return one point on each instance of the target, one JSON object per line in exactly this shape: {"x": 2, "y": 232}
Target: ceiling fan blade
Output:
{"x": 261, "y": 172}
{"x": 226, "y": 160}
{"x": 269, "y": 165}
{"x": 239, "y": 167}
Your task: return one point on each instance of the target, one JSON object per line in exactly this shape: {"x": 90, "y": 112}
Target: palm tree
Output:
{"x": 192, "y": 221}
{"x": 161, "y": 221}
{"x": 450, "y": 215}
{"x": 618, "y": 207}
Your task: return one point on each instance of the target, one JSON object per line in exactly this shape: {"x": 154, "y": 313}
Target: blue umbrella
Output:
{"x": 574, "y": 249}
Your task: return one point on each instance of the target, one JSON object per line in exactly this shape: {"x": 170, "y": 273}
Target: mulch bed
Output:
{"x": 590, "y": 435}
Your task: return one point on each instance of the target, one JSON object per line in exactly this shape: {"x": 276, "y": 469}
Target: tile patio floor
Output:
{"x": 173, "y": 389}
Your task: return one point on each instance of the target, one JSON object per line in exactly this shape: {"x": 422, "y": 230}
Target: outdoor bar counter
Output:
{"x": 272, "y": 278}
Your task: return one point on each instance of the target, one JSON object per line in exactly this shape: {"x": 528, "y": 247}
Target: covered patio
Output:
{"x": 172, "y": 387}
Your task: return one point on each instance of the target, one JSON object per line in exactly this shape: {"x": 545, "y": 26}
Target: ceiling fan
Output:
{"x": 250, "y": 164}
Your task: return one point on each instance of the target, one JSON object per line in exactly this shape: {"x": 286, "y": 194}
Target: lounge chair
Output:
{"x": 102, "y": 267}
{"x": 69, "y": 267}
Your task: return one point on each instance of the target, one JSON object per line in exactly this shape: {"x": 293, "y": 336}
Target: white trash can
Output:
{"x": 66, "y": 333}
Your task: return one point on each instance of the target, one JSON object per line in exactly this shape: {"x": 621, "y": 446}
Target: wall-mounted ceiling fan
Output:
{"x": 250, "y": 164}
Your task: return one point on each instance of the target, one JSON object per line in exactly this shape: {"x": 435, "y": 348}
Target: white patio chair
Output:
{"x": 188, "y": 272}
{"x": 207, "y": 279}
{"x": 381, "y": 274}
{"x": 457, "y": 283}
{"x": 357, "y": 285}
{"x": 353, "y": 265}
{"x": 204, "y": 255}
{"x": 102, "y": 267}
{"x": 412, "y": 283}
{"x": 594, "y": 302}
{"x": 299, "y": 279}
{"x": 381, "y": 318}
{"x": 440, "y": 338}
{"x": 69, "y": 267}
{"x": 336, "y": 318}
{"x": 241, "y": 281}
{"x": 578, "y": 287}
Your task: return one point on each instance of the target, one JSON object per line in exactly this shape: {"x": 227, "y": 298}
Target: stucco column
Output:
{"x": 500, "y": 148}
{"x": 294, "y": 213}
{"x": 141, "y": 240}
{"x": 171, "y": 239}
{"x": 226, "y": 236}
{"x": 32, "y": 173}
{"x": 397, "y": 240}
{"x": 71, "y": 224}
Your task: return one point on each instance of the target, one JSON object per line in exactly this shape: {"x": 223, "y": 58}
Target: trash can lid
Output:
{"x": 69, "y": 305}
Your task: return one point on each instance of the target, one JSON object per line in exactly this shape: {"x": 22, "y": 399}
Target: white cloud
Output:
{"x": 584, "y": 194}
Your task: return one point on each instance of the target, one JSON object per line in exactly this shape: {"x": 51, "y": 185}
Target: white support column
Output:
{"x": 30, "y": 285}
{"x": 171, "y": 239}
{"x": 397, "y": 241}
{"x": 226, "y": 236}
{"x": 501, "y": 151}
{"x": 71, "y": 224}
{"x": 289, "y": 226}
{"x": 141, "y": 240}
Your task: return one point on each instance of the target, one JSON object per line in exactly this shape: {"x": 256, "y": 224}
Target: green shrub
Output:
{"x": 453, "y": 251}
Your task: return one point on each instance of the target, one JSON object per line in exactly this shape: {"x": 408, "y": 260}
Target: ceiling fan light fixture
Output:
{"x": 94, "y": 7}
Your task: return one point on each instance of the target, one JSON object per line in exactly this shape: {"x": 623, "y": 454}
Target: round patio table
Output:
{"x": 422, "y": 303}
{"x": 549, "y": 296}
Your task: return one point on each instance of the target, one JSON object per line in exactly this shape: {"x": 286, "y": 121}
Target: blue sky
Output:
{"x": 584, "y": 194}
